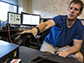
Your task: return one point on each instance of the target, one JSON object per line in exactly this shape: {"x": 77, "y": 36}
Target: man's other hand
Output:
{"x": 63, "y": 53}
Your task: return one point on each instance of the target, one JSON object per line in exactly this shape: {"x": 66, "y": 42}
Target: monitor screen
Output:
{"x": 30, "y": 19}
{"x": 14, "y": 18}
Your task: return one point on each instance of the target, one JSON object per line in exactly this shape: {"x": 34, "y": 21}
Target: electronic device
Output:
{"x": 48, "y": 54}
{"x": 14, "y": 18}
{"x": 30, "y": 19}
{"x": 8, "y": 51}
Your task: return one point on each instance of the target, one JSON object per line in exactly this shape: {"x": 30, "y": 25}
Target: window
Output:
{"x": 4, "y": 8}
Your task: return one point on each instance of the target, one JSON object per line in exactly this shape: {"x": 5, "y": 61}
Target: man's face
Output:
{"x": 74, "y": 11}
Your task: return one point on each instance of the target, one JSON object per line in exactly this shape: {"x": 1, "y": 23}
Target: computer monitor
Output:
{"x": 30, "y": 19}
{"x": 14, "y": 18}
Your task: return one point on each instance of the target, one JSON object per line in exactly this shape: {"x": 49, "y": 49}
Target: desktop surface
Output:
{"x": 29, "y": 55}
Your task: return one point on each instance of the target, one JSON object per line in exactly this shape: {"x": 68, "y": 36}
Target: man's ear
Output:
{"x": 67, "y": 9}
{"x": 80, "y": 13}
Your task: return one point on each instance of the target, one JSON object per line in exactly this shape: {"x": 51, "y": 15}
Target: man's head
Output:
{"x": 77, "y": 2}
{"x": 75, "y": 9}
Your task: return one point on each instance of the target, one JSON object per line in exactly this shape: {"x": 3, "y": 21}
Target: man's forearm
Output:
{"x": 76, "y": 47}
{"x": 41, "y": 27}
{"x": 46, "y": 25}
{"x": 73, "y": 49}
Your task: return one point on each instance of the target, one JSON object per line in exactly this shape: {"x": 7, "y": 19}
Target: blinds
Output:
{"x": 15, "y": 2}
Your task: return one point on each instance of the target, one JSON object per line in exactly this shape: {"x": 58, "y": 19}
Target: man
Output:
{"x": 64, "y": 30}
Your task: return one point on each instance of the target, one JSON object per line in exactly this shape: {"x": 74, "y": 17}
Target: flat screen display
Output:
{"x": 30, "y": 19}
{"x": 14, "y": 18}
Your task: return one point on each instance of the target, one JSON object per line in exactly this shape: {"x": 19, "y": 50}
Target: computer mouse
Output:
{"x": 46, "y": 54}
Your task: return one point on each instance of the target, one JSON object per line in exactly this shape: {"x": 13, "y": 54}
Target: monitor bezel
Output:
{"x": 13, "y": 13}
{"x": 29, "y": 14}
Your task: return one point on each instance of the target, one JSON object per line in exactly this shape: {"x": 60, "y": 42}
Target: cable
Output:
{"x": 9, "y": 33}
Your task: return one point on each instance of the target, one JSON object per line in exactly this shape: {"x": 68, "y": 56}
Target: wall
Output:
{"x": 35, "y": 6}
{"x": 20, "y": 4}
{"x": 51, "y": 8}
{"x": 25, "y": 5}
{"x": 82, "y": 20}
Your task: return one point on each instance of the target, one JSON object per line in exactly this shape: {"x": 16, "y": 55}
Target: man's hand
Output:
{"x": 34, "y": 31}
{"x": 63, "y": 53}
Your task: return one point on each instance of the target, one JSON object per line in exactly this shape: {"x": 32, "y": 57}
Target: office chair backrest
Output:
{"x": 44, "y": 34}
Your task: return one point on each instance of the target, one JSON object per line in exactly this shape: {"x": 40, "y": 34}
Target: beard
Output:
{"x": 71, "y": 19}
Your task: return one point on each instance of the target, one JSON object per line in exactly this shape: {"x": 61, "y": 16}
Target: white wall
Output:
{"x": 25, "y": 5}
{"x": 20, "y": 4}
{"x": 51, "y": 8}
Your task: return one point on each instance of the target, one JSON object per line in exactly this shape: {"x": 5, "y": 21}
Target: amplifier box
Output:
{"x": 8, "y": 51}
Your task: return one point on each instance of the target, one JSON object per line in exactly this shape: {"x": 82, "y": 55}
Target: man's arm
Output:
{"x": 42, "y": 27}
{"x": 73, "y": 49}
{"x": 46, "y": 25}
{"x": 76, "y": 47}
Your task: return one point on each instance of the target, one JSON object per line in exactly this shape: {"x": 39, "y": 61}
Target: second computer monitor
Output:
{"x": 30, "y": 19}
{"x": 14, "y": 18}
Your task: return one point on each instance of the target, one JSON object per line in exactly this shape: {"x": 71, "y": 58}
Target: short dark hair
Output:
{"x": 77, "y": 2}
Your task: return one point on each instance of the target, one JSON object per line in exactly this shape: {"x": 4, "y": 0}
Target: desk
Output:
{"x": 26, "y": 54}
{"x": 4, "y": 33}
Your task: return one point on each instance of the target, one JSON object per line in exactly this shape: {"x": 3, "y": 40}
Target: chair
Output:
{"x": 41, "y": 37}
{"x": 82, "y": 50}
{"x": 82, "y": 47}
{"x": 26, "y": 40}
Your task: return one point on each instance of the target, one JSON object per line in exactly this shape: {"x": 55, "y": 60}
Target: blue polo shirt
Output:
{"x": 60, "y": 35}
